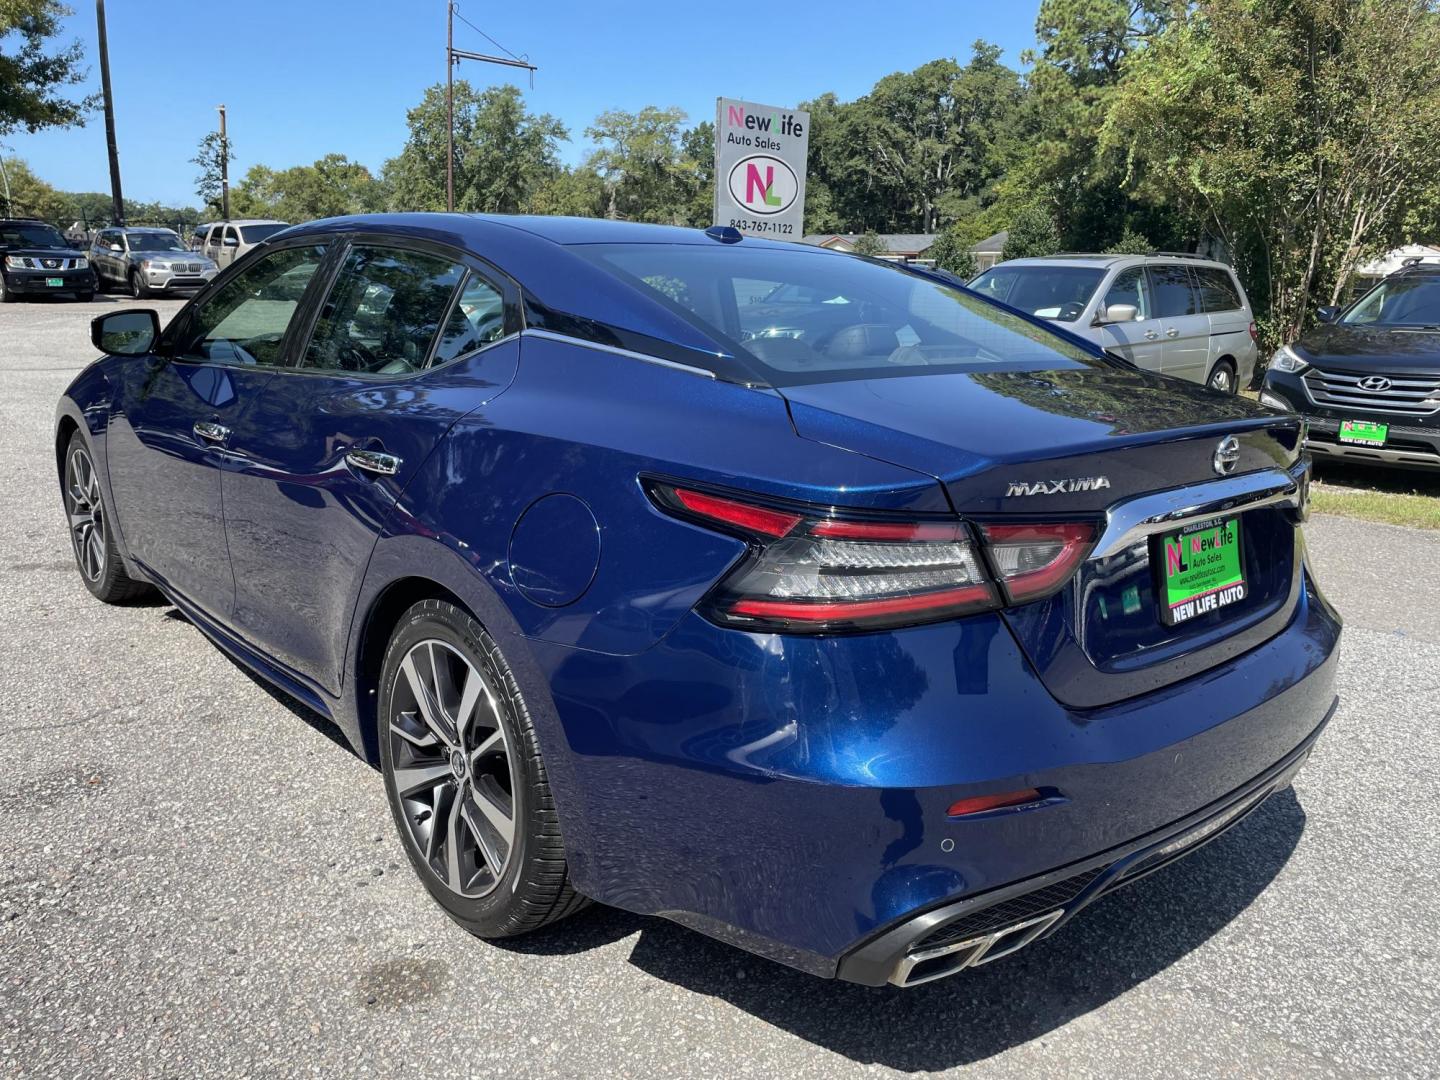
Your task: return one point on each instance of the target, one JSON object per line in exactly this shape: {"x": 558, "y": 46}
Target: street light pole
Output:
{"x": 452, "y": 57}
{"x": 117, "y": 199}
{"x": 224, "y": 168}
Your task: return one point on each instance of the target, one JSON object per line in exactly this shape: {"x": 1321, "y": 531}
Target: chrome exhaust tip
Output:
{"x": 927, "y": 965}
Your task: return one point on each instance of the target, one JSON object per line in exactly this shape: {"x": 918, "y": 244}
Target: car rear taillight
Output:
{"x": 810, "y": 571}
{"x": 1254, "y": 334}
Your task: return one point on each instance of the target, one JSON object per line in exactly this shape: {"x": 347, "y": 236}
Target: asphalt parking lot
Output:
{"x": 196, "y": 879}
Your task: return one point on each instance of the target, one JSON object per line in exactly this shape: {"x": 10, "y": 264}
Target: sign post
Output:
{"x": 760, "y": 153}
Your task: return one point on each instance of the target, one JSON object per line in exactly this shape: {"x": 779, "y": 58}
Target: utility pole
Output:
{"x": 224, "y": 168}
{"x": 117, "y": 200}
{"x": 452, "y": 57}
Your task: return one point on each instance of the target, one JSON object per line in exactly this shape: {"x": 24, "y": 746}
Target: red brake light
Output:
{"x": 1254, "y": 334}
{"x": 1035, "y": 560}
{"x": 762, "y": 520}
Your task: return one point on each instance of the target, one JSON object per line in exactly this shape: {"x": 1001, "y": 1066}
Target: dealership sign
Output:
{"x": 760, "y": 168}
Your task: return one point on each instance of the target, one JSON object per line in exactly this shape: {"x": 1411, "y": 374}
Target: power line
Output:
{"x": 487, "y": 37}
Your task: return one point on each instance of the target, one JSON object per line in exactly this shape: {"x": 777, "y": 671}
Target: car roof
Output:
{"x": 250, "y": 221}
{"x": 1105, "y": 261}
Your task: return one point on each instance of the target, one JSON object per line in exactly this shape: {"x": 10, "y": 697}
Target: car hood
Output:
{"x": 1370, "y": 348}
{"x": 44, "y": 253}
{"x": 980, "y": 432}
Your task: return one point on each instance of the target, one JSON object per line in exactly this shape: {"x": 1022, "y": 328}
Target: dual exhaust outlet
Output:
{"x": 940, "y": 961}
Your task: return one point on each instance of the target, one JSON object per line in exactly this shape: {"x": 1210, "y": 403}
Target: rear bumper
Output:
{"x": 790, "y": 795}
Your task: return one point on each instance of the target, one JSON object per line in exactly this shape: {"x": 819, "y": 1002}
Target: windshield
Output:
{"x": 1412, "y": 300}
{"x": 156, "y": 240}
{"x": 34, "y": 236}
{"x": 806, "y": 316}
{"x": 1051, "y": 292}
{"x": 253, "y": 234}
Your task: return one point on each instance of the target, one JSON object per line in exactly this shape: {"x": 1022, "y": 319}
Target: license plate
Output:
{"x": 55, "y": 282}
{"x": 1363, "y": 432}
{"x": 1198, "y": 569}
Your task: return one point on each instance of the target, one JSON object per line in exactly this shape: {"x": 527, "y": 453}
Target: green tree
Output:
{"x": 869, "y": 244}
{"x": 951, "y": 251}
{"x": 1032, "y": 233}
{"x": 212, "y": 155}
{"x": 34, "y": 73}
{"x": 29, "y": 196}
{"x": 577, "y": 192}
{"x": 640, "y": 158}
{"x": 504, "y": 153}
{"x": 1303, "y": 133}
{"x": 697, "y": 153}
{"x": 1130, "y": 243}
{"x": 330, "y": 187}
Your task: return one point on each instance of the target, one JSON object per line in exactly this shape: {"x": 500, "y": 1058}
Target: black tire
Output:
{"x": 92, "y": 541}
{"x": 6, "y": 296}
{"x": 1223, "y": 379}
{"x": 137, "y": 287}
{"x": 532, "y": 888}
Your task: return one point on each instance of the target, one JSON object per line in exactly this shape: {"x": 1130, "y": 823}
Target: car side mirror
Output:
{"x": 230, "y": 241}
{"x": 1117, "y": 313}
{"x": 1327, "y": 314}
{"x": 132, "y": 332}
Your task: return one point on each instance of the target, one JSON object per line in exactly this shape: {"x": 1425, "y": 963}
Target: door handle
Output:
{"x": 211, "y": 432}
{"x": 1151, "y": 335}
{"x": 1172, "y": 332}
{"x": 375, "y": 461}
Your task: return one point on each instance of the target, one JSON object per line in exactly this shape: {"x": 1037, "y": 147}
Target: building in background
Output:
{"x": 911, "y": 247}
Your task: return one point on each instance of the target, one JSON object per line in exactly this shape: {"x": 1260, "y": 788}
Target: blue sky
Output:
{"x": 303, "y": 78}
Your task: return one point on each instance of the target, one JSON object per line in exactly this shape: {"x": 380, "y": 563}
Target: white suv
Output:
{"x": 1177, "y": 314}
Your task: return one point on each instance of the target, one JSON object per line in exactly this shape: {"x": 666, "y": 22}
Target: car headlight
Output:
{"x": 1286, "y": 359}
{"x": 82, "y": 264}
{"x": 17, "y": 262}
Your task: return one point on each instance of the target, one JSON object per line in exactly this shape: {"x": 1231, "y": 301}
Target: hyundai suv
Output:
{"x": 1176, "y": 314}
{"x": 1368, "y": 377}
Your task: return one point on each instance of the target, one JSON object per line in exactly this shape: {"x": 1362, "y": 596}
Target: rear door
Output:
{"x": 1184, "y": 325}
{"x": 407, "y": 340}
{"x": 1140, "y": 341}
{"x": 1226, "y": 312}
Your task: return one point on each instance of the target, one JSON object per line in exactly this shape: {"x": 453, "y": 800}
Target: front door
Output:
{"x": 329, "y": 447}
{"x": 174, "y": 415}
{"x": 1139, "y": 341}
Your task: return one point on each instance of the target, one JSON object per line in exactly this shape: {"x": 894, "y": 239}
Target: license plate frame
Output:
{"x": 55, "y": 282}
{"x": 1199, "y": 568}
{"x": 1362, "y": 433}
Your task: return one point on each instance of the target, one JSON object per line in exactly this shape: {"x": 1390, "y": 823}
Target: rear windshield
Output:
{"x": 1051, "y": 292}
{"x": 253, "y": 234}
{"x": 807, "y": 316}
{"x": 1399, "y": 301}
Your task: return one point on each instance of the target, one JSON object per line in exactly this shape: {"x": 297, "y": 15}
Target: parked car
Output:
{"x": 148, "y": 261}
{"x": 880, "y": 651}
{"x": 226, "y": 241}
{"x": 197, "y": 236}
{"x": 1177, "y": 314}
{"x": 1367, "y": 379}
{"x": 35, "y": 259}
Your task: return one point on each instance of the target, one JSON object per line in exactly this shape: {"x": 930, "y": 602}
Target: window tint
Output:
{"x": 1131, "y": 287}
{"x": 253, "y": 234}
{"x": 245, "y": 321}
{"x": 1217, "y": 289}
{"x": 230, "y": 233}
{"x": 1402, "y": 300}
{"x": 804, "y": 316}
{"x": 476, "y": 320}
{"x": 383, "y": 311}
{"x": 18, "y": 234}
{"x": 1173, "y": 294}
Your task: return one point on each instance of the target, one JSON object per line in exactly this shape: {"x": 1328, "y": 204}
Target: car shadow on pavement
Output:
{"x": 1111, "y": 947}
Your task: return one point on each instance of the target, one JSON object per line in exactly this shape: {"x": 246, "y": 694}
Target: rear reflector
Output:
{"x": 979, "y": 804}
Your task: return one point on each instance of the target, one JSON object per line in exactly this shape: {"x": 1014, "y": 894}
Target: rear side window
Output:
{"x": 1217, "y": 289}
{"x": 383, "y": 312}
{"x": 804, "y": 316}
{"x": 1173, "y": 294}
{"x": 476, "y": 320}
{"x": 253, "y": 234}
{"x": 1051, "y": 292}
{"x": 245, "y": 321}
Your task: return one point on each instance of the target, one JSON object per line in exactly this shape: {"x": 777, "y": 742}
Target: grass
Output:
{"x": 1393, "y": 496}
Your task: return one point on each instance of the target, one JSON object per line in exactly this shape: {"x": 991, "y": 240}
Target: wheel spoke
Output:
{"x": 495, "y": 742}
{"x": 79, "y": 519}
{"x": 413, "y": 778}
{"x": 97, "y": 554}
{"x": 494, "y": 858}
{"x": 424, "y": 700}
{"x": 469, "y": 695}
{"x": 498, "y": 815}
{"x": 452, "y": 843}
{"x": 432, "y": 839}
{"x": 426, "y": 740}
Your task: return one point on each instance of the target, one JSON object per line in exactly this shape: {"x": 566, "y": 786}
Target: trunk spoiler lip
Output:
{"x": 1133, "y": 520}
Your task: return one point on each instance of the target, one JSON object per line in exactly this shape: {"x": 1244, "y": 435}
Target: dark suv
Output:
{"x": 1368, "y": 378}
{"x": 35, "y": 258}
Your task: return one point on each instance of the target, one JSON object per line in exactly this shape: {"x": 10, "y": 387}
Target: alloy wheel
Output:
{"x": 1220, "y": 379}
{"x": 87, "y": 514}
{"x": 452, "y": 768}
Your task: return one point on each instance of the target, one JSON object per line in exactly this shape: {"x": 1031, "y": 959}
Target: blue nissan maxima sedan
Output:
{"x": 812, "y": 602}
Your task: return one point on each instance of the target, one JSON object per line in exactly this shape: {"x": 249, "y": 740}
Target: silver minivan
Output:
{"x": 1179, "y": 315}
{"x": 226, "y": 241}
